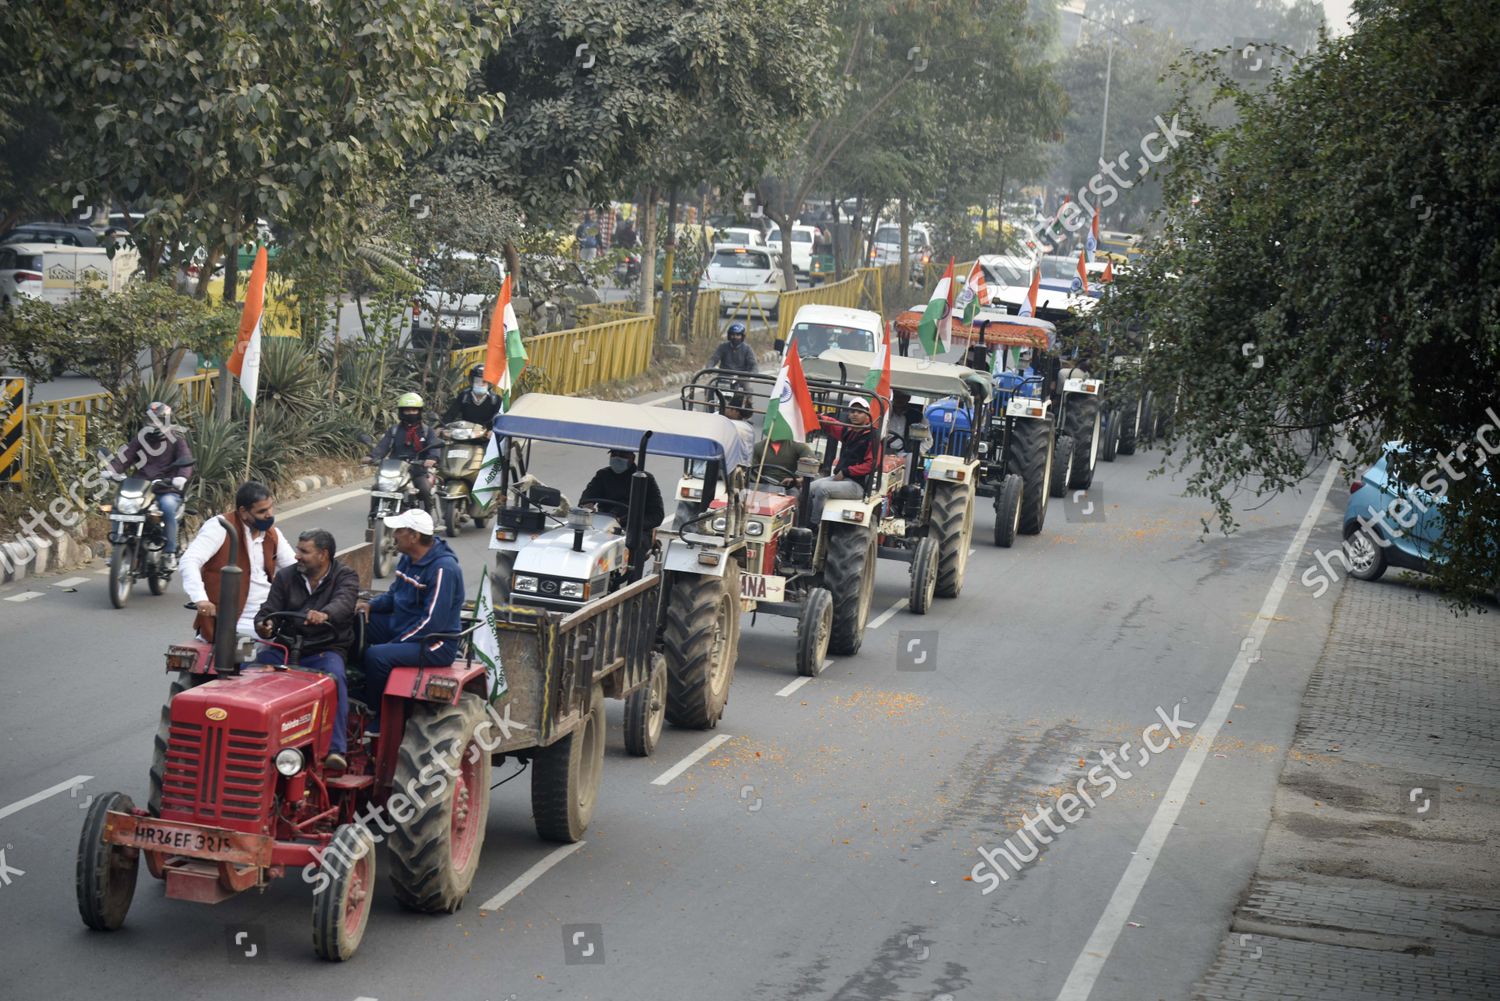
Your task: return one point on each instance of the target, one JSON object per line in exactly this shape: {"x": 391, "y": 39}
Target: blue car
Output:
{"x": 1392, "y": 523}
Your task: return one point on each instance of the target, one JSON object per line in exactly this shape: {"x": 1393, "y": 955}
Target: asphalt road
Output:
{"x": 822, "y": 848}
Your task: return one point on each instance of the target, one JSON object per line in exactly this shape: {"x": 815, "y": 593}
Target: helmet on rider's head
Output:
{"x": 735, "y": 331}
{"x": 476, "y": 371}
{"x": 158, "y": 419}
{"x": 409, "y": 409}
{"x": 477, "y": 381}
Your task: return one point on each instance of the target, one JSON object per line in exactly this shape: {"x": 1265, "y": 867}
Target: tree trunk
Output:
{"x": 874, "y": 224}
{"x": 668, "y": 271}
{"x": 210, "y": 261}
{"x": 646, "y": 225}
{"x": 232, "y": 277}
{"x": 512, "y": 264}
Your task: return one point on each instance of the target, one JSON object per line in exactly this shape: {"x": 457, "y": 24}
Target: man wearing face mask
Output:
{"x": 612, "y": 483}
{"x": 159, "y": 452}
{"x": 476, "y": 404}
{"x": 261, "y": 551}
{"x": 413, "y": 441}
{"x": 327, "y": 591}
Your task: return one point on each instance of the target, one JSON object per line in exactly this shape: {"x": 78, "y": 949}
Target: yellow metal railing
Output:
{"x": 279, "y": 318}
{"x": 579, "y": 359}
{"x": 845, "y": 293}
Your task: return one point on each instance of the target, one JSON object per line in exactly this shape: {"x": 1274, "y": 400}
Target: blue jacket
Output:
{"x": 426, "y": 597}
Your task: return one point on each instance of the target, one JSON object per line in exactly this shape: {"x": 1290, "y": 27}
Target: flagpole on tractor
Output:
{"x": 250, "y": 442}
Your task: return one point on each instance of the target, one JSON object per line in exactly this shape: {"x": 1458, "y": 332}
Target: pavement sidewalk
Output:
{"x": 1380, "y": 874}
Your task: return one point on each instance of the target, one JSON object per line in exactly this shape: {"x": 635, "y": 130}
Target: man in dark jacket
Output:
{"x": 159, "y": 452}
{"x": 411, "y": 440}
{"x": 856, "y": 461}
{"x": 427, "y": 597}
{"x": 734, "y": 354}
{"x": 327, "y": 591}
{"x": 476, "y": 404}
{"x": 612, "y": 483}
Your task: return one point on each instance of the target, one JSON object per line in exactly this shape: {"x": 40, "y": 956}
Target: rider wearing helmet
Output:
{"x": 734, "y": 354}
{"x": 159, "y": 452}
{"x": 476, "y": 404}
{"x": 411, "y": 440}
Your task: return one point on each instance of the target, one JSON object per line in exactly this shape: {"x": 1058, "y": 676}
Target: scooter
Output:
{"x": 458, "y": 465}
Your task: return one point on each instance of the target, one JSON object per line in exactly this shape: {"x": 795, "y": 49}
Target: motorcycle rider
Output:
{"x": 412, "y": 441}
{"x": 734, "y": 354}
{"x": 156, "y": 453}
{"x": 475, "y": 404}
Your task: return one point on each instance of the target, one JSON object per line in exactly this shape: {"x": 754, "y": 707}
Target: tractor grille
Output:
{"x": 217, "y": 775}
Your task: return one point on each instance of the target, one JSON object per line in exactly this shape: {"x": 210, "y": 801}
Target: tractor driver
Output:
{"x": 612, "y": 484}
{"x": 777, "y": 461}
{"x": 856, "y": 461}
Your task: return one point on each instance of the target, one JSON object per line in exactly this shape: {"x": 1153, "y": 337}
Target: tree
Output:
{"x": 1329, "y": 268}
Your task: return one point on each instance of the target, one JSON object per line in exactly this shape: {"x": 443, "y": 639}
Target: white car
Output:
{"x": 816, "y": 329}
{"x": 803, "y": 238}
{"x": 461, "y": 313}
{"x": 746, "y": 277}
{"x": 743, "y": 236}
{"x": 21, "y": 272}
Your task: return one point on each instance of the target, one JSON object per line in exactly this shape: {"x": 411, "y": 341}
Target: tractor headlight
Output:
{"x": 571, "y": 589}
{"x": 719, "y": 523}
{"x": 289, "y": 762}
{"x": 756, "y": 528}
{"x": 521, "y": 582}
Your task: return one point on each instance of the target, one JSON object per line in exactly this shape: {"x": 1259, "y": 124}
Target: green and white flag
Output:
{"x": 487, "y": 641}
{"x": 487, "y": 483}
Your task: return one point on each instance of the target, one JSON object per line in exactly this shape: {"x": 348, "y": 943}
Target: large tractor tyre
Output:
{"x": 179, "y": 684}
{"x": 924, "y": 576}
{"x": 565, "y": 778}
{"x": 1030, "y": 457}
{"x": 121, "y": 573}
{"x": 1111, "y": 430}
{"x": 814, "y": 627}
{"x": 341, "y": 906}
{"x": 1146, "y": 436}
{"x": 435, "y": 853}
{"x": 105, "y": 874}
{"x": 1130, "y": 425}
{"x": 1008, "y": 510}
{"x": 384, "y": 545}
{"x": 953, "y": 525}
{"x": 702, "y": 641}
{"x": 1062, "y": 466}
{"x": 646, "y": 710}
{"x": 849, "y": 573}
{"x": 1082, "y": 425}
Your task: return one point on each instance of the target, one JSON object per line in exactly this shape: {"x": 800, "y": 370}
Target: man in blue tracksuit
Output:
{"x": 426, "y": 598}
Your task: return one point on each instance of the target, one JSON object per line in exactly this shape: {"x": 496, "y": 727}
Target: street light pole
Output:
{"x": 1109, "y": 65}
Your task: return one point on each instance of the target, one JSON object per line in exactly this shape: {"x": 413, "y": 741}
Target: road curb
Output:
{"x": 303, "y": 485}
{"x": 24, "y": 560}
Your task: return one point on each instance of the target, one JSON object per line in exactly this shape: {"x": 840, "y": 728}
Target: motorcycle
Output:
{"x": 628, "y": 269}
{"x": 393, "y": 491}
{"x": 458, "y": 466}
{"x": 138, "y": 533}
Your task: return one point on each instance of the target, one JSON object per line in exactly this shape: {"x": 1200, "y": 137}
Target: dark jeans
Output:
{"x": 381, "y": 655}
{"x": 331, "y": 663}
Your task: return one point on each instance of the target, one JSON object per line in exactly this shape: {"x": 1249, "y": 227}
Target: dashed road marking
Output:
{"x": 35, "y": 798}
{"x": 25, "y": 596}
{"x": 886, "y": 615}
{"x": 692, "y": 759}
{"x": 789, "y": 689}
{"x": 71, "y": 582}
{"x": 528, "y": 877}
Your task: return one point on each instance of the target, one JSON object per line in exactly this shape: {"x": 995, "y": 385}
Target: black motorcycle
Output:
{"x": 138, "y": 533}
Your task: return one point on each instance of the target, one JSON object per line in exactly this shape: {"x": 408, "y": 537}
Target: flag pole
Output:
{"x": 250, "y": 443}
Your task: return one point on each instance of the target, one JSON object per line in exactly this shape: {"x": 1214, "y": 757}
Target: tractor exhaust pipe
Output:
{"x": 634, "y": 520}
{"x": 229, "y": 592}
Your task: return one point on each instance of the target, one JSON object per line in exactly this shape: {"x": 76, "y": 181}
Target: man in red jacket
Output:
{"x": 856, "y": 461}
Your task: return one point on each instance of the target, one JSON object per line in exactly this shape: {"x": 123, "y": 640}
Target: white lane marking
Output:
{"x": 325, "y": 502}
{"x": 1090, "y": 961}
{"x": 25, "y": 596}
{"x": 789, "y": 689}
{"x": 530, "y": 876}
{"x": 972, "y": 551}
{"x": 885, "y": 616}
{"x": 35, "y": 798}
{"x": 689, "y": 761}
{"x": 71, "y": 582}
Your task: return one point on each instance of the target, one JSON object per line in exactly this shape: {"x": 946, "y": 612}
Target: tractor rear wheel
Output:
{"x": 565, "y": 778}
{"x": 1008, "y": 510}
{"x": 121, "y": 570}
{"x": 924, "y": 576}
{"x": 1130, "y": 426}
{"x": 1111, "y": 430}
{"x": 646, "y": 710}
{"x": 105, "y": 875}
{"x": 1062, "y": 465}
{"x": 1082, "y": 425}
{"x": 814, "y": 626}
{"x": 953, "y": 523}
{"x": 849, "y": 575}
{"x": 179, "y": 684}
{"x": 1030, "y": 457}
{"x": 702, "y": 640}
{"x": 341, "y": 907}
{"x": 435, "y": 853}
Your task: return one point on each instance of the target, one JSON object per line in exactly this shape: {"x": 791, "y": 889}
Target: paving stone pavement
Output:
{"x": 1403, "y": 689}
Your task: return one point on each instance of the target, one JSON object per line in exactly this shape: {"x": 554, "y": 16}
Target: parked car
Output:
{"x": 462, "y": 311}
{"x": 803, "y": 238}
{"x": 746, "y": 277}
{"x": 1384, "y": 540}
{"x": 66, "y": 233}
{"x": 20, "y": 272}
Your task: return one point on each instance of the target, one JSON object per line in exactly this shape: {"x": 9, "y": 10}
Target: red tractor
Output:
{"x": 239, "y": 794}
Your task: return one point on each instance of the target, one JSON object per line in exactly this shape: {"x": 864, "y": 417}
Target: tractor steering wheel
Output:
{"x": 621, "y": 509}
{"x": 895, "y": 441}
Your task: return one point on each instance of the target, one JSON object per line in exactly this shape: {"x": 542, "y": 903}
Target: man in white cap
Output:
{"x": 425, "y": 598}
{"x": 856, "y": 460}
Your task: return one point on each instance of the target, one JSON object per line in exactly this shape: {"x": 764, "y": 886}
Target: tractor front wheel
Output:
{"x": 1111, "y": 429}
{"x": 341, "y": 906}
{"x": 849, "y": 572}
{"x": 1008, "y": 510}
{"x": 1030, "y": 457}
{"x": 1082, "y": 426}
{"x": 814, "y": 626}
{"x": 106, "y": 873}
{"x": 953, "y": 522}
{"x": 435, "y": 853}
{"x": 924, "y": 576}
{"x": 702, "y": 641}
{"x": 565, "y": 778}
{"x": 1062, "y": 466}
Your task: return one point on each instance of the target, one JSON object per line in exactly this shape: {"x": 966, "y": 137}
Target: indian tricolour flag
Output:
{"x": 244, "y": 360}
{"x": 1028, "y": 305}
{"x": 504, "y": 354}
{"x": 936, "y": 329}
{"x": 974, "y": 294}
{"x": 487, "y": 641}
{"x": 789, "y": 411}
{"x": 878, "y": 379}
{"x": 1092, "y": 244}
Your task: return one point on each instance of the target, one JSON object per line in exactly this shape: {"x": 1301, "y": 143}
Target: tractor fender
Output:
{"x": 952, "y": 468}
{"x": 412, "y": 682}
{"x": 684, "y": 559}
{"x": 834, "y": 510}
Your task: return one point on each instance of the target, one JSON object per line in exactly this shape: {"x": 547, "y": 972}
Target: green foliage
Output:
{"x": 1330, "y": 264}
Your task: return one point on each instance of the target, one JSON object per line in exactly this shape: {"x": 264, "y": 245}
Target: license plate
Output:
{"x": 192, "y": 840}
{"x": 132, "y": 518}
{"x": 388, "y": 495}
{"x": 468, "y": 323}
{"x": 762, "y": 587}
